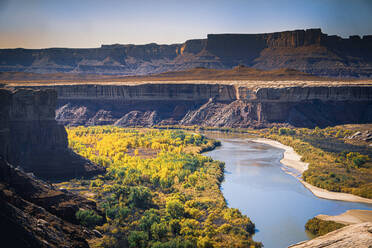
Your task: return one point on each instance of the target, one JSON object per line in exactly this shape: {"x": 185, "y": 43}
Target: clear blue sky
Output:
{"x": 83, "y": 23}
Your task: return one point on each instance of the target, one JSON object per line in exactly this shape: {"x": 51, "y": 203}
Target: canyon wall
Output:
{"x": 31, "y": 138}
{"x": 36, "y": 215}
{"x": 308, "y": 50}
{"x": 212, "y": 105}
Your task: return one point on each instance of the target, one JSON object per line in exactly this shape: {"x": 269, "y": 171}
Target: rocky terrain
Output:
{"x": 357, "y": 235}
{"x": 212, "y": 104}
{"x": 31, "y": 138}
{"x": 308, "y": 50}
{"x": 35, "y": 214}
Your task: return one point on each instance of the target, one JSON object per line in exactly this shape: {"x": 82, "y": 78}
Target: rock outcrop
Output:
{"x": 308, "y": 50}
{"x": 31, "y": 138}
{"x": 212, "y": 105}
{"x": 357, "y": 235}
{"x": 35, "y": 214}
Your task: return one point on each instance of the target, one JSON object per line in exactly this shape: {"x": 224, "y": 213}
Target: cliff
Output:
{"x": 222, "y": 105}
{"x": 31, "y": 138}
{"x": 308, "y": 50}
{"x": 34, "y": 214}
{"x": 358, "y": 235}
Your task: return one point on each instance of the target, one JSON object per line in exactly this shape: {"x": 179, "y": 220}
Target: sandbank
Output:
{"x": 293, "y": 160}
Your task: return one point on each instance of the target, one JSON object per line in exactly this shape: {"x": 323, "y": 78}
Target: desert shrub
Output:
{"x": 88, "y": 218}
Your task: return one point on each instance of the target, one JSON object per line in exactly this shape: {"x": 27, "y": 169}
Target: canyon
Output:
{"x": 212, "y": 104}
{"x": 309, "y": 51}
{"x": 33, "y": 213}
{"x": 32, "y": 139}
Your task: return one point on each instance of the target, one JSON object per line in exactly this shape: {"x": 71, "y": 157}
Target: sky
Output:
{"x": 91, "y": 23}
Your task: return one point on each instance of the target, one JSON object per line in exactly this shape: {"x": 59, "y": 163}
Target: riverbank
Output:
{"x": 354, "y": 216}
{"x": 293, "y": 160}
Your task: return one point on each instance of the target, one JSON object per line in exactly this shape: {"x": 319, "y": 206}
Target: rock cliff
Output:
{"x": 31, "y": 138}
{"x": 212, "y": 105}
{"x": 35, "y": 214}
{"x": 358, "y": 235}
{"x": 308, "y": 50}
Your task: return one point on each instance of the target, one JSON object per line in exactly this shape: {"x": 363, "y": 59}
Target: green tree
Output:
{"x": 174, "y": 227}
{"x": 137, "y": 239}
{"x": 159, "y": 230}
{"x": 175, "y": 209}
{"x": 150, "y": 217}
{"x": 139, "y": 197}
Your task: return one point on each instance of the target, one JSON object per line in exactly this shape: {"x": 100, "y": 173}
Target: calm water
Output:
{"x": 276, "y": 202}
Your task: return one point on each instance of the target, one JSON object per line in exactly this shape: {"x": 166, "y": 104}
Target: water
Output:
{"x": 276, "y": 202}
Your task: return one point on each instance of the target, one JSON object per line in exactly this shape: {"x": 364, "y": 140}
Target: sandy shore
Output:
{"x": 293, "y": 160}
{"x": 354, "y": 216}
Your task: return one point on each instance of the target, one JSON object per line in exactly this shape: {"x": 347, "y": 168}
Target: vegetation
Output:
{"x": 88, "y": 218}
{"x": 158, "y": 190}
{"x": 320, "y": 227}
{"x": 330, "y": 166}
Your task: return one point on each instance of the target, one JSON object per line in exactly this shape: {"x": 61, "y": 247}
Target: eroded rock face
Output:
{"x": 35, "y": 214}
{"x": 212, "y": 105}
{"x": 358, "y": 235}
{"x": 138, "y": 118}
{"x": 308, "y": 50}
{"x": 32, "y": 139}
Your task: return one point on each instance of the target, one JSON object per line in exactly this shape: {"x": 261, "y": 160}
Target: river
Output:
{"x": 275, "y": 201}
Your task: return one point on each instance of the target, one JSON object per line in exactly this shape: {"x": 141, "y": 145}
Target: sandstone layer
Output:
{"x": 212, "y": 104}
{"x": 31, "y": 138}
{"x": 308, "y": 50}
{"x": 358, "y": 235}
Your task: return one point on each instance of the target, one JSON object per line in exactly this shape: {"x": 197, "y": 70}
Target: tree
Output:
{"x": 150, "y": 217}
{"x": 174, "y": 227}
{"x": 175, "y": 209}
{"x": 140, "y": 197}
{"x": 137, "y": 239}
{"x": 159, "y": 230}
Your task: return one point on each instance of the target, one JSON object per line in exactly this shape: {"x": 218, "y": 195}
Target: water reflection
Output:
{"x": 276, "y": 202}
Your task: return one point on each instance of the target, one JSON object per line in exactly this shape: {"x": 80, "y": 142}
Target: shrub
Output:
{"x": 159, "y": 230}
{"x": 137, "y": 239}
{"x": 139, "y": 197}
{"x": 320, "y": 227}
{"x": 88, "y": 218}
{"x": 175, "y": 209}
{"x": 150, "y": 217}
{"x": 174, "y": 227}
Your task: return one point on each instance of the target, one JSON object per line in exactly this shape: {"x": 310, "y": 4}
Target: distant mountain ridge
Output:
{"x": 309, "y": 51}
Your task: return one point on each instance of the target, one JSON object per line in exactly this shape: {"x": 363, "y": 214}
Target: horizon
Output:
{"x": 144, "y": 44}
{"x": 89, "y": 24}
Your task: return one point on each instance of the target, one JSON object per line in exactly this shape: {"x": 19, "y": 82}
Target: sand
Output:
{"x": 293, "y": 160}
{"x": 354, "y": 216}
